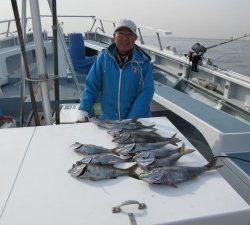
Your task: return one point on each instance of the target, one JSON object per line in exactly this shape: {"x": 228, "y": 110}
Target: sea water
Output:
{"x": 233, "y": 56}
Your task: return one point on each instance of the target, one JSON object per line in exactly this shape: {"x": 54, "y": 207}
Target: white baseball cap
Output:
{"x": 126, "y": 23}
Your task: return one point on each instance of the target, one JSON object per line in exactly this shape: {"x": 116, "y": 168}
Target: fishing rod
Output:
{"x": 201, "y": 49}
{"x": 227, "y": 41}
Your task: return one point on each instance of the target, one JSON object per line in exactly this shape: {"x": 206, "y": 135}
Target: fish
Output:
{"x": 175, "y": 174}
{"x": 97, "y": 172}
{"x": 88, "y": 149}
{"x": 128, "y": 124}
{"x": 115, "y": 132}
{"x": 125, "y": 149}
{"x": 152, "y": 162}
{"x": 159, "y": 153}
{"x": 123, "y": 121}
{"x": 134, "y": 148}
{"x": 104, "y": 158}
{"x": 143, "y": 137}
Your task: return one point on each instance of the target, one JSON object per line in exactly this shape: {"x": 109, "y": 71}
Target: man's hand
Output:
{"x": 82, "y": 116}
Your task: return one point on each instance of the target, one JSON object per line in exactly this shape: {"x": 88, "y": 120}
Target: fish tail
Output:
{"x": 212, "y": 165}
{"x": 173, "y": 140}
{"x": 151, "y": 126}
{"x": 185, "y": 151}
{"x": 153, "y": 129}
{"x": 116, "y": 151}
{"x": 132, "y": 171}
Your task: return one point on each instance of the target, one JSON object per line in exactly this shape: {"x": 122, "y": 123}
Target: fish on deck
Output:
{"x": 128, "y": 124}
{"x": 144, "y": 137}
{"x": 152, "y": 162}
{"x": 89, "y": 148}
{"x": 134, "y": 148}
{"x": 158, "y": 153}
{"x": 104, "y": 158}
{"x": 175, "y": 174}
{"x": 100, "y": 172}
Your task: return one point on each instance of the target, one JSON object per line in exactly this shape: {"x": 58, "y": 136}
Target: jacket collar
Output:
{"x": 138, "y": 55}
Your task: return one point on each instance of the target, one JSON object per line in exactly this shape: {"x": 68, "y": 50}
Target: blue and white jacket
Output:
{"x": 124, "y": 92}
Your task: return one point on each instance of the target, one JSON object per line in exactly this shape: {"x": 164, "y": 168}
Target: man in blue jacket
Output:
{"x": 121, "y": 77}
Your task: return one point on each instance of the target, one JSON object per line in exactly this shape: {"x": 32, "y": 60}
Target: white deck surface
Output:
{"x": 45, "y": 194}
{"x": 14, "y": 143}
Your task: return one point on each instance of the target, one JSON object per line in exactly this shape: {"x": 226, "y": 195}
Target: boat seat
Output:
{"x": 221, "y": 130}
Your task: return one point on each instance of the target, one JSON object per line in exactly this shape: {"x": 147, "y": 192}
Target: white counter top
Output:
{"x": 14, "y": 143}
{"x": 45, "y": 194}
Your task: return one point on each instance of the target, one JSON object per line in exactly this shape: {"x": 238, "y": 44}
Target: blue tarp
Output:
{"x": 81, "y": 62}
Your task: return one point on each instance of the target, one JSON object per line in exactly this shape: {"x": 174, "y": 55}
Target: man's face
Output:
{"x": 124, "y": 39}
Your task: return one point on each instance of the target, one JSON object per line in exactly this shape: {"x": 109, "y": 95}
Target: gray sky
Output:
{"x": 185, "y": 18}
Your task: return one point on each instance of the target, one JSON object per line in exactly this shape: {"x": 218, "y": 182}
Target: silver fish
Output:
{"x": 143, "y": 137}
{"x": 125, "y": 149}
{"x": 159, "y": 153}
{"x": 175, "y": 174}
{"x": 131, "y": 149}
{"x": 129, "y": 124}
{"x": 152, "y": 162}
{"x": 89, "y": 149}
{"x": 99, "y": 172}
{"x": 124, "y": 121}
{"x": 104, "y": 158}
{"x": 115, "y": 132}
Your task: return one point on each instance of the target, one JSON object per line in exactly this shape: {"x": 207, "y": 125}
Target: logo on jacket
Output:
{"x": 134, "y": 69}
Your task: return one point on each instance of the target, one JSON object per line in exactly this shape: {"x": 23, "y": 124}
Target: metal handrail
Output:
{"x": 100, "y": 26}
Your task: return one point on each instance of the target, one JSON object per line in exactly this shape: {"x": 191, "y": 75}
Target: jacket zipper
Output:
{"x": 119, "y": 85}
{"x": 119, "y": 95}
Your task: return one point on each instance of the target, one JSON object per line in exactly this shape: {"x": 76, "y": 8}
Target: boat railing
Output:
{"x": 98, "y": 25}
{"x": 9, "y": 37}
{"x": 8, "y": 22}
{"x": 156, "y": 32}
{"x": 107, "y": 27}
